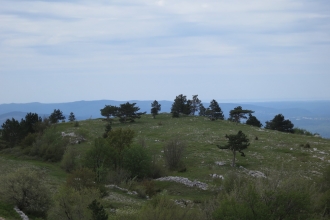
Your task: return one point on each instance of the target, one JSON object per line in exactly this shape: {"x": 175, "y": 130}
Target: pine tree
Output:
{"x": 278, "y": 123}
{"x": 236, "y": 142}
{"x": 238, "y": 113}
{"x": 195, "y": 104}
{"x": 109, "y": 111}
{"x": 72, "y": 117}
{"x": 252, "y": 120}
{"x": 179, "y": 106}
{"x": 128, "y": 112}
{"x": 155, "y": 108}
{"x": 202, "y": 110}
{"x": 214, "y": 111}
{"x": 98, "y": 212}
{"x": 56, "y": 116}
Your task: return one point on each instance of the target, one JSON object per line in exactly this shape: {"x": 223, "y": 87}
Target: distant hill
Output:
{"x": 313, "y": 116}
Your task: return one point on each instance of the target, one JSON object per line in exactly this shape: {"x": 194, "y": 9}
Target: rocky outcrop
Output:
{"x": 184, "y": 181}
{"x": 22, "y": 214}
{"x": 253, "y": 173}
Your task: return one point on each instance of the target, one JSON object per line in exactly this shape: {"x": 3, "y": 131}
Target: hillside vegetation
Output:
{"x": 290, "y": 167}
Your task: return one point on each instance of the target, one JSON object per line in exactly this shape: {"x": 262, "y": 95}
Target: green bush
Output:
{"x": 137, "y": 160}
{"x": 50, "y": 146}
{"x": 173, "y": 152}
{"x": 161, "y": 207}
{"x": 72, "y": 204}
{"x": 274, "y": 198}
{"x": 28, "y": 140}
{"x": 25, "y": 188}
{"x": 69, "y": 160}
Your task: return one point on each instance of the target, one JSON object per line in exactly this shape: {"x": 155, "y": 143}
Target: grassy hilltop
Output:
{"x": 270, "y": 152}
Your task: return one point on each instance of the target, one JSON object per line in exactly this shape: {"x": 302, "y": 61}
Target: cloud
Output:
{"x": 164, "y": 36}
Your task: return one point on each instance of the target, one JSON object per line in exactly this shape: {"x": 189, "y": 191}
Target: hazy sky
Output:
{"x": 228, "y": 50}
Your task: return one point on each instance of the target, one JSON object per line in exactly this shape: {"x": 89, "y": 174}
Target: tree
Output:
{"x": 128, "y": 112}
{"x": 279, "y": 124}
{"x": 72, "y": 117}
{"x": 109, "y": 111}
{"x": 155, "y": 108}
{"x": 98, "y": 212}
{"x": 137, "y": 161}
{"x": 56, "y": 116}
{"x": 11, "y": 131}
{"x": 236, "y": 142}
{"x": 214, "y": 111}
{"x": 27, "y": 124}
{"x": 173, "y": 153}
{"x": 252, "y": 120}
{"x": 99, "y": 158}
{"x": 71, "y": 204}
{"x": 202, "y": 110}
{"x": 181, "y": 106}
{"x": 195, "y": 104}
{"x": 238, "y": 113}
{"x": 118, "y": 140}
{"x": 26, "y": 189}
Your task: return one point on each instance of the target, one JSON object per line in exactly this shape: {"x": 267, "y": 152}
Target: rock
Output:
{"x": 22, "y": 214}
{"x": 216, "y": 176}
{"x": 220, "y": 163}
{"x": 253, "y": 173}
{"x": 184, "y": 181}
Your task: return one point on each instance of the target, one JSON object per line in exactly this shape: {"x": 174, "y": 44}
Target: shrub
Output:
{"x": 69, "y": 161}
{"x": 50, "y": 146}
{"x": 29, "y": 140}
{"x": 137, "y": 160}
{"x": 173, "y": 152}
{"x": 72, "y": 204}
{"x": 81, "y": 178}
{"x": 98, "y": 212}
{"x": 162, "y": 208}
{"x": 25, "y": 188}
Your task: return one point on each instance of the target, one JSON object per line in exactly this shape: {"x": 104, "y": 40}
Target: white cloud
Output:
{"x": 162, "y": 36}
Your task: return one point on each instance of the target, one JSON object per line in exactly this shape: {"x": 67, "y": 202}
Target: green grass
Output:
{"x": 272, "y": 152}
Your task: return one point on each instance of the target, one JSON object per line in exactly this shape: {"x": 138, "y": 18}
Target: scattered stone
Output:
{"x": 122, "y": 189}
{"x": 220, "y": 163}
{"x": 183, "y": 203}
{"x": 253, "y": 173}
{"x": 184, "y": 181}
{"x": 22, "y": 214}
{"x": 216, "y": 176}
{"x": 316, "y": 172}
{"x": 74, "y": 139}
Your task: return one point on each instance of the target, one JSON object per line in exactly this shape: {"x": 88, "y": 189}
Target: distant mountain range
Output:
{"x": 313, "y": 116}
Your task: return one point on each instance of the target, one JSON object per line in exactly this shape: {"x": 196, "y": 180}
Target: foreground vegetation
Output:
{"x": 282, "y": 176}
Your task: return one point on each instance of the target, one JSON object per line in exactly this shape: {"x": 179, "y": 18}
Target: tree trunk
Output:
{"x": 233, "y": 164}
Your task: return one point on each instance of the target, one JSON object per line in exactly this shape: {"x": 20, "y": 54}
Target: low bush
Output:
{"x": 137, "y": 160}
{"x": 174, "y": 152}
{"x": 163, "y": 208}
{"x": 26, "y": 189}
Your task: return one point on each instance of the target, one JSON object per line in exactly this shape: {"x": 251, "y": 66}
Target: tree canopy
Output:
{"x": 236, "y": 142}
{"x": 109, "y": 111}
{"x": 72, "y": 117}
{"x": 128, "y": 112}
{"x": 214, "y": 111}
{"x": 155, "y": 108}
{"x": 252, "y": 120}
{"x": 56, "y": 116}
{"x": 181, "y": 106}
{"x": 280, "y": 124}
{"x": 195, "y": 104}
{"x": 238, "y": 113}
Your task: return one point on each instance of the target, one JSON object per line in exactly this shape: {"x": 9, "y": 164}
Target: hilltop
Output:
{"x": 270, "y": 152}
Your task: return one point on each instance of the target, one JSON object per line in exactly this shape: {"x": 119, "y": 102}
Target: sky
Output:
{"x": 55, "y": 51}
